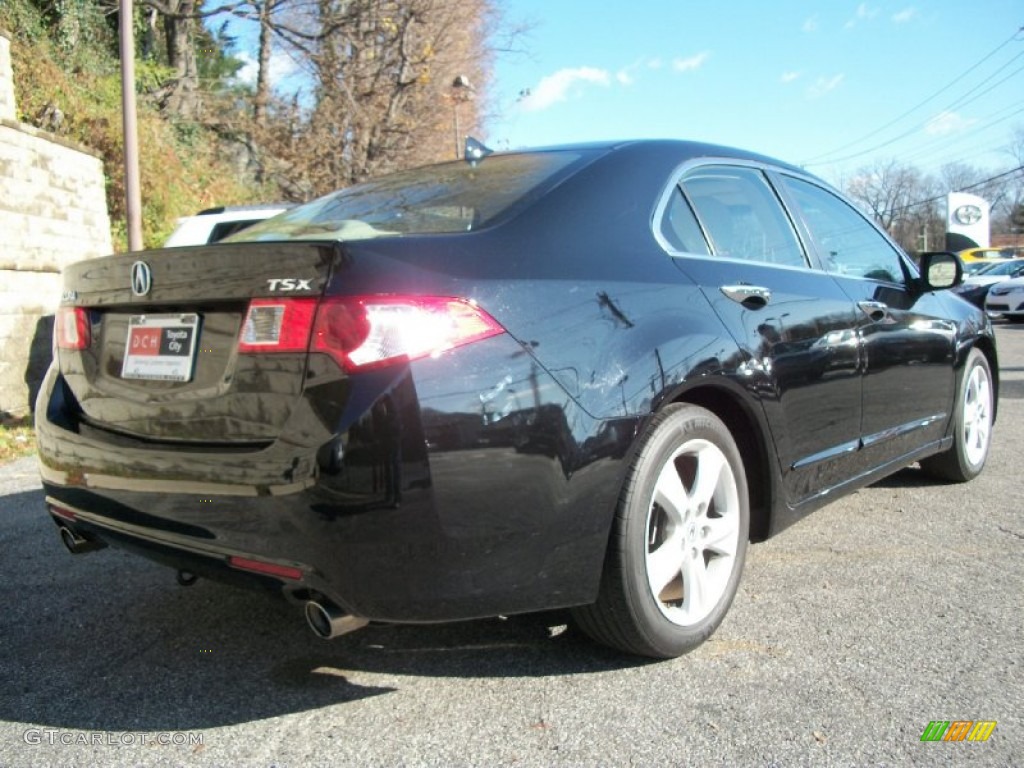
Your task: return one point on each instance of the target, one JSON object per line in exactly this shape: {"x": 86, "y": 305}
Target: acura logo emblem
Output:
{"x": 142, "y": 278}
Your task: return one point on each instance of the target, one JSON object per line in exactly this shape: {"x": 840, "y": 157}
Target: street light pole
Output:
{"x": 462, "y": 90}
{"x": 455, "y": 125}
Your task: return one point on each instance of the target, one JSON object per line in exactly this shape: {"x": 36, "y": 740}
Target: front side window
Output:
{"x": 848, "y": 243}
{"x": 741, "y": 216}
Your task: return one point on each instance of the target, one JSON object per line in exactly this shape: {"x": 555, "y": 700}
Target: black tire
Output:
{"x": 689, "y": 444}
{"x": 972, "y": 425}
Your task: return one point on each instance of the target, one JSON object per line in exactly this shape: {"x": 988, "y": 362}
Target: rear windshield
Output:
{"x": 446, "y": 198}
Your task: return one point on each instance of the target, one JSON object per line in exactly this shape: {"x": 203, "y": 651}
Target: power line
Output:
{"x": 820, "y": 159}
{"x": 943, "y": 143}
{"x": 975, "y": 185}
{"x": 983, "y": 182}
{"x": 974, "y": 97}
{"x": 918, "y": 126}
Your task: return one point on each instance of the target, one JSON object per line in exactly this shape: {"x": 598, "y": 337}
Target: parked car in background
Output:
{"x": 1006, "y": 299}
{"x": 214, "y": 224}
{"x": 974, "y": 267}
{"x": 975, "y": 286}
{"x": 985, "y": 254}
{"x": 581, "y": 377}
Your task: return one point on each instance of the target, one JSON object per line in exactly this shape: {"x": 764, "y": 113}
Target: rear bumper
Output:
{"x": 438, "y": 494}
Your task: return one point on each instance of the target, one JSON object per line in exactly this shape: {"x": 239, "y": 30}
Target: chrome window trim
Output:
{"x": 711, "y": 161}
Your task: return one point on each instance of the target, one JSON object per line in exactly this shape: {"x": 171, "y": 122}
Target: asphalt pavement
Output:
{"x": 852, "y": 631}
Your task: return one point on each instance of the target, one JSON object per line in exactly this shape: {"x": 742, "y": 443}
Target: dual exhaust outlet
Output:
{"x": 77, "y": 544}
{"x": 328, "y": 621}
{"x": 325, "y": 619}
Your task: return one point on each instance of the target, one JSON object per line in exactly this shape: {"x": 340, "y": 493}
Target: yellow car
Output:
{"x": 988, "y": 254}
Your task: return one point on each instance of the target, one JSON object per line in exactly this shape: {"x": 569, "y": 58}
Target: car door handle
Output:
{"x": 876, "y": 310}
{"x": 750, "y": 296}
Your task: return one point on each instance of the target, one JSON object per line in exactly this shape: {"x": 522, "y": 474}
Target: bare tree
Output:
{"x": 1012, "y": 219}
{"x": 888, "y": 190}
{"x": 179, "y": 20}
{"x": 958, "y": 176}
{"x": 265, "y": 10}
{"x": 383, "y": 74}
{"x": 378, "y": 80}
{"x": 903, "y": 201}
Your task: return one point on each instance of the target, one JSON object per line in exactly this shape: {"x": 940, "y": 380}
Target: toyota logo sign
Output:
{"x": 967, "y": 214}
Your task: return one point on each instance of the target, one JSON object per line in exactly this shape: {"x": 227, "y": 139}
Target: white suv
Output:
{"x": 214, "y": 224}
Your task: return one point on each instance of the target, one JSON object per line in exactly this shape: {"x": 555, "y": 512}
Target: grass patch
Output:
{"x": 17, "y": 438}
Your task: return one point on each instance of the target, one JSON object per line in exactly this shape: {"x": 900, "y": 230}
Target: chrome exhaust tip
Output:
{"x": 328, "y": 621}
{"x": 76, "y": 544}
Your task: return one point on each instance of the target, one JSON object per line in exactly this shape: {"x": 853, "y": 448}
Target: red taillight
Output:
{"x": 277, "y": 325}
{"x": 72, "y": 328}
{"x": 365, "y": 331}
{"x": 371, "y": 331}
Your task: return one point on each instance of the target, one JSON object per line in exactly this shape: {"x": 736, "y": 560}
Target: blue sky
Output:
{"x": 810, "y": 82}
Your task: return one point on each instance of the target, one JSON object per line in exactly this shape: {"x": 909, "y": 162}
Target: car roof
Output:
{"x": 683, "y": 149}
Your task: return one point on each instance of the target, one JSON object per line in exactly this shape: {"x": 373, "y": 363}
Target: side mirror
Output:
{"x": 941, "y": 270}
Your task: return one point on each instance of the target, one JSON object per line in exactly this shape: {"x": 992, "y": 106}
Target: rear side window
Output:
{"x": 742, "y": 217}
{"x": 446, "y": 198}
{"x": 679, "y": 226}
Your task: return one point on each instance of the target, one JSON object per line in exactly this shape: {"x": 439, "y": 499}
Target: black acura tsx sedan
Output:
{"x": 580, "y": 377}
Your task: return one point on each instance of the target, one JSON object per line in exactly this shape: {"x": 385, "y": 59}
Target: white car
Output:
{"x": 1006, "y": 299}
{"x": 991, "y": 274}
{"x": 214, "y": 224}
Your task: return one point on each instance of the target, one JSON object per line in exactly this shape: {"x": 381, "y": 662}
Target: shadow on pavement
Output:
{"x": 909, "y": 477}
{"x": 1011, "y": 389}
{"x": 108, "y": 642}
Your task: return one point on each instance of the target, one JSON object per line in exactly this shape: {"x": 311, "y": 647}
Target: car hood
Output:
{"x": 1005, "y": 286}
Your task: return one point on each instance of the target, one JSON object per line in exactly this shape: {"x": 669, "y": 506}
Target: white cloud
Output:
{"x": 811, "y": 24}
{"x": 555, "y": 88}
{"x": 948, "y": 122}
{"x": 904, "y": 16}
{"x": 627, "y": 75}
{"x": 823, "y": 85}
{"x": 282, "y": 66}
{"x": 249, "y": 70}
{"x": 789, "y": 77}
{"x": 654, "y": 64}
{"x": 863, "y": 13}
{"x": 690, "y": 63}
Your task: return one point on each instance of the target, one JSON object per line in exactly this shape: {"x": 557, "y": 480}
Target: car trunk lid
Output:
{"x": 163, "y": 360}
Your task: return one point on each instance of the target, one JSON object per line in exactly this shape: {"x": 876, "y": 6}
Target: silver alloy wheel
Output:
{"x": 977, "y": 412}
{"x": 693, "y": 532}
{"x": 679, "y": 538}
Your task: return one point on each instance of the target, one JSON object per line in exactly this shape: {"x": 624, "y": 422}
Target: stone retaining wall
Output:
{"x": 53, "y": 211}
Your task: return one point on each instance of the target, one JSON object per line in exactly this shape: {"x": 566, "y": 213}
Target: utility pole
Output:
{"x": 133, "y": 195}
